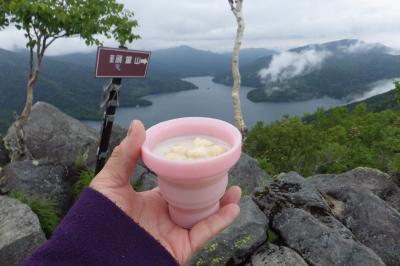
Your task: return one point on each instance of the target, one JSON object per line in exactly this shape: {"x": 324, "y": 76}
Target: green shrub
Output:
{"x": 44, "y": 209}
{"x": 331, "y": 141}
{"x": 84, "y": 178}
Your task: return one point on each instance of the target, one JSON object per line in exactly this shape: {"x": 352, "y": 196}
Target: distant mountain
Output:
{"x": 68, "y": 83}
{"x": 340, "y": 69}
{"x": 182, "y": 61}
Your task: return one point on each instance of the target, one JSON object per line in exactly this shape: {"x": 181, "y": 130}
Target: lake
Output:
{"x": 212, "y": 100}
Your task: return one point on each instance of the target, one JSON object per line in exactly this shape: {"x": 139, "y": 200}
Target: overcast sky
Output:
{"x": 277, "y": 24}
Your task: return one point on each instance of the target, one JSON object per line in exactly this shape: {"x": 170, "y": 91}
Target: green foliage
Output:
{"x": 83, "y": 181}
{"x": 54, "y": 19}
{"x": 397, "y": 90}
{"x": 333, "y": 141}
{"x": 81, "y": 160}
{"x": 272, "y": 236}
{"x": 44, "y": 209}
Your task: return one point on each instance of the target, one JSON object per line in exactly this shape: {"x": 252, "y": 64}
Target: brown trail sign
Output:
{"x": 116, "y": 64}
{"x": 121, "y": 63}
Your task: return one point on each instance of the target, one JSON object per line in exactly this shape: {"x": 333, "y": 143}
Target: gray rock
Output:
{"x": 4, "y": 158}
{"x": 143, "y": 179}
{"x": 247, "y": 174}
{"x": 238, "y": 241}
{"x": 281, "y": 194}
{"x": 117, "y": 135}
{"x": 46, "y": 180}
{"x": 319, "y": 244}
{"x": 371, "y": 179}
{"x": 272, "y": 255}
{"x": 20, "y": 232}
{"x": 136, "y": 177}
{"x": 291, "y": 177}
{"x": 53, "y": 136}
{"x": 372, "y": 221}
{"x": 149, "y": 181}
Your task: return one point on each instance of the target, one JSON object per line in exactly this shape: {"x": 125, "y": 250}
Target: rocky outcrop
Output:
{"x": 377, "y": 182}
{"x": 235, "y": 244}
{"x": 346, "y": 219}
{"x": 372, "y": 221}
{"x": 51, "y": 135}
{"x": 273, "y": 255}
{"x": 20, "y": 231}
{"x": 247, "y": 174}
{"x": 320, "y": 244}
{"x": 4, "y": 158}
{"x": 36, "y": 179}
{"x": 337, "y": 219}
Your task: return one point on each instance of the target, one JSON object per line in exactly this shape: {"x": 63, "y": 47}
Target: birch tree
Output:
{"x": 236, "y": 7}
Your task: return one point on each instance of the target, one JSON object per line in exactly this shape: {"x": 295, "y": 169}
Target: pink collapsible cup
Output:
{"x": 192, "y": 188}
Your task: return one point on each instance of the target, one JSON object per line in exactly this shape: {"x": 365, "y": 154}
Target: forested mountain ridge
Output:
{"x": 341, "y": 70}
{"x": 71, "y": 87}
{"x": 181, "y": 61}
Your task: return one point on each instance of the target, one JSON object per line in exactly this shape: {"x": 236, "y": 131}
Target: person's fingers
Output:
{"x": 205, "y": 230}
{"x": 231, "y": 196}
{"x": 123, "y": 159}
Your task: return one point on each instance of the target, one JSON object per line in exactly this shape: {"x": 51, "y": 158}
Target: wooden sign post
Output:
{"x": 116, "y": 64}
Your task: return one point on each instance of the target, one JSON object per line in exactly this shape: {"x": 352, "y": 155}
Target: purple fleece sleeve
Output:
{"x": 96, "y": 232}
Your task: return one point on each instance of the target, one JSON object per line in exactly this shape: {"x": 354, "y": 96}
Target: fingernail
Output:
{"x": 131, "y": 128}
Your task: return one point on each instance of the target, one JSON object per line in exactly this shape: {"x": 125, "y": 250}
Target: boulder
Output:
{"x": 335, "y": 219}
{"x": 37, "y": 179}
{"x": 20, "y": 232}
{"x": 247, "y": 174}
{"x": 4, "y": 158}
{"x": 51, "y": 135}
{"x": 238, "y": 241}
{"x": 319, "y": 244}
{"x": 371, "y": 179}
{"x": 273, "y": 255}
{"x": 288, "y": 191}
{"x": 372, "y": 220}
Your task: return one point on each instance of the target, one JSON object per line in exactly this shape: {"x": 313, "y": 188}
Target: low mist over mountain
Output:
{"x": 341, "y": 69}
{"x": 379, "y": 102}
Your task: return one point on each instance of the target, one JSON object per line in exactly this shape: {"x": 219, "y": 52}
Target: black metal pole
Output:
{"x": 109, "y": 114}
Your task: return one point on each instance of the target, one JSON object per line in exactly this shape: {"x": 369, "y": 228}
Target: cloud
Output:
{"x": 210, "y": 25}
{"x": 376, "y": 88}
{"x": 287, "y": 65}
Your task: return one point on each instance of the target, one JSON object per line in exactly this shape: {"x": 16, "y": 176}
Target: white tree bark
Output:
{"x": 236, "y": 7}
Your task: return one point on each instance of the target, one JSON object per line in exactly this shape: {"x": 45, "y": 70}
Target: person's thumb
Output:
{"x": 122, "y": 161}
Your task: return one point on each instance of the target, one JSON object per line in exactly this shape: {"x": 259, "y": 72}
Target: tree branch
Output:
{"x": 55, "y": 38}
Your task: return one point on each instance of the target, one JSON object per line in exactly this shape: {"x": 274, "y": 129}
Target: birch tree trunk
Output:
{"x": 236, "y": 7}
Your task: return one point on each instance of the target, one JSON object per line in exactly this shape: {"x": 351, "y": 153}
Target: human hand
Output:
{"x": 150, "y": 210}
